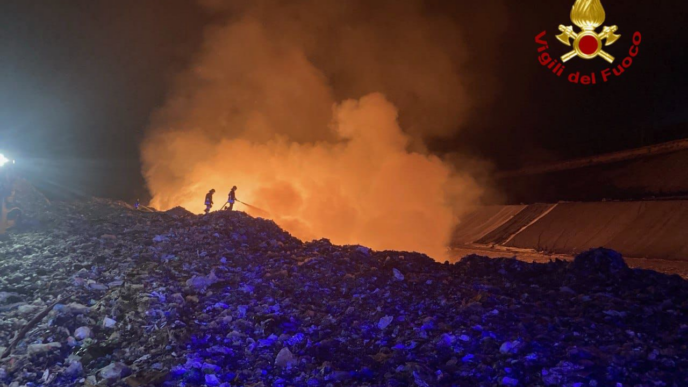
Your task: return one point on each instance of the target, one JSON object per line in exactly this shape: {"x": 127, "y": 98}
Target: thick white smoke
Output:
{"x": 294, "y": 102}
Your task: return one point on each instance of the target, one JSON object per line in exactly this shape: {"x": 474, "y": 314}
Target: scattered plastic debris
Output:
{"x": 115, "y": 371}
{"x": 384, "y": 322}
{"x": 109, "y": 323}
{"x": 285, "y": 358}
{"x": 33, "y": 349}
{"x": 175, "y": 299}
{"x": 82, "y": 333}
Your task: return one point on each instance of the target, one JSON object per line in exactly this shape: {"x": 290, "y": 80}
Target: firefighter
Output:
{"x": 137, "y": 204}
{"x": 209, "y": 200}
{"x": 231, "y": 198}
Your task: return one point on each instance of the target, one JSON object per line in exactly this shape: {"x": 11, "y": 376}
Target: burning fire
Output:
{"x": 257, "y": 111}
{"x": 366, "y": 189}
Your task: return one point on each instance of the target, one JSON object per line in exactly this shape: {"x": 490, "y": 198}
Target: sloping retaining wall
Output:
{"x": 641, "y": 229}
{"x": 482, "y": 221}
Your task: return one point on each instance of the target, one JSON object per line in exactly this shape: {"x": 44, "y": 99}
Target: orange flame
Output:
{"x": 292, "y": 103}
{"x": 588, "y": 14}
{"x": 365, "y": 189}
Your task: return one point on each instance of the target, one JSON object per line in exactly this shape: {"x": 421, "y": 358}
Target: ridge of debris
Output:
{"x": 175, "y": 299}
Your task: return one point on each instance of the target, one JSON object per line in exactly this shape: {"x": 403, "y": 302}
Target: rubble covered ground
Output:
{"x": 668, "y": 266}
{"x": 135, "y": 298}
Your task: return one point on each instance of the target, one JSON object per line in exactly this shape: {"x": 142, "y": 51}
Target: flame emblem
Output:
{"x": 588, "y": 15}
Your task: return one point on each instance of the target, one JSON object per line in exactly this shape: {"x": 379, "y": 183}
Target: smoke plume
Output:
{"x": 302, "y": 104}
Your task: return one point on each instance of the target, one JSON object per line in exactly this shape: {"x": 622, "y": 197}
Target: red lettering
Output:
{"x": 574, "y": 77}
{"x": 627, "y": 62}
{"x": 637, "y": 37}
{"x": 632, "y": 53}
{"x": 544, "y": 58}
{"x": 606, "y": 73}
{"x": 557, "y": 67}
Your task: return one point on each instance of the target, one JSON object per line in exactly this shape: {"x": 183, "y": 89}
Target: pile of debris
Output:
{"x": 95, "y": 293}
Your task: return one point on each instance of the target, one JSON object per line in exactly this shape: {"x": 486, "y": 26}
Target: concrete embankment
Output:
{"x": 641, "y": 229}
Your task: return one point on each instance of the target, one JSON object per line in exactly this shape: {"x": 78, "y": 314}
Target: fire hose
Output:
{"x": 259, "y": 211}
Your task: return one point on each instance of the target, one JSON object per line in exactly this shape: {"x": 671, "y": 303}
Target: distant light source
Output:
{"x": 3, "y": 160}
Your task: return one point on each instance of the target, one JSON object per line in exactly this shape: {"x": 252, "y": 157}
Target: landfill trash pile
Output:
{"x": 172, "y": 299}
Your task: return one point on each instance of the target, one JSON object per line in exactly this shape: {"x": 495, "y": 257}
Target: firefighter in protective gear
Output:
{"x": 231, "y": 198}
{"x": 209, "y": 200}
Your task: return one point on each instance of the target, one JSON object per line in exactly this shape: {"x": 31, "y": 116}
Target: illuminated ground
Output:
{"x": 173, "y": 299}
{"x": 659, "y": 265}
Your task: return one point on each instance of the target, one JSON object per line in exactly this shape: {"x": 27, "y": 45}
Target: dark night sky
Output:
{"x": 79, "y": 79}
{"x": 540, "y": 118}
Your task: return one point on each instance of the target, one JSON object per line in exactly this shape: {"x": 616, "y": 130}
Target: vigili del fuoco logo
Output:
{"x": 588, "y": 16}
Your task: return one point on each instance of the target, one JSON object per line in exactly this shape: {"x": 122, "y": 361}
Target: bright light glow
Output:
{"x": 3, "y": 160}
